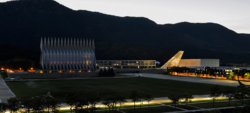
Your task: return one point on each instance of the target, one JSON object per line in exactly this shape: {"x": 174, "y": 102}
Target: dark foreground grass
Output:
{"x": 151, "y": 110}
{"x": 186, "y": 107}
{"x": 155, "y": 87}
{"x": 219, "y": 104}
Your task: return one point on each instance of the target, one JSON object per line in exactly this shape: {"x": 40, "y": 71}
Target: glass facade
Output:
{"x": 126, "y": 64}
{"x": 67, "y": 56}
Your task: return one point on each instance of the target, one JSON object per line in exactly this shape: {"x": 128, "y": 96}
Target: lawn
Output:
{"x": 219, "y": 104}
{"x": 155, "y": 87}
{"x": 186, "y": 107}
{"x": 151, "y": 110}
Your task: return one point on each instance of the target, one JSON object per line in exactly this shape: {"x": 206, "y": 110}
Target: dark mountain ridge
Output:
{"x": 24, "y": 22}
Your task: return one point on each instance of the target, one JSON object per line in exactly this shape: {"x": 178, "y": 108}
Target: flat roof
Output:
{"x": 125, "y": 60}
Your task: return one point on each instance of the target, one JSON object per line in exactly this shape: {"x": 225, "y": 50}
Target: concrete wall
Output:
{"x": 53, "y": 75}
{"x": 210, "y": 62}
{"x": 199, "y": 63}
{"x": 190, "y": 63}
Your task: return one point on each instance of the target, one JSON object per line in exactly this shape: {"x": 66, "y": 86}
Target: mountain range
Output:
{"x": 24, "y": 22}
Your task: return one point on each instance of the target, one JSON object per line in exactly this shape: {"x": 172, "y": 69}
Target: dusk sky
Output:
{"x": 234, "y": 14}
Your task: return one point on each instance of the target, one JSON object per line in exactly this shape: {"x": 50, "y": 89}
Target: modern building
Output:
{"x": 126, "y": 64}
{"x": 199, "y": 63}
{"x": 67, "y": 55}
{"x": 176, "y": 61}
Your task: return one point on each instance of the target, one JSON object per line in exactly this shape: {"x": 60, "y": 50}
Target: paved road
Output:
{"x": 192, "y": 79}
{"x": 5, "y": 92}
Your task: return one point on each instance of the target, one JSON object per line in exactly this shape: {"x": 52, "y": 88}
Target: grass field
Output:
{"x": 219, "y": 104}
{"x": 155, "y": 87}
{"x": 151, "y": 110}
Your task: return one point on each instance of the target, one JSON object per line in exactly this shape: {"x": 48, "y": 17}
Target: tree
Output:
{"x": 4, "y": 74}
{"x": 197, "y": 73}
{"x": 134, "y": 95}
{"x": 241, "y": 94}
{"x": 141, "y": 97}
{"x": 3, "y": 107}
{"x": 112, "y": 72}
{"x": 13, "y": 104}
{"x": 231, "y": 75}
{"x": 37, "y": 104}
{"x": 187, "y": 98}
{"x": 50, "y": 103}
{"x": 148, "y": 98}
{"x": 47, "y": 103}
{"x": 242, "y": 73}
{"x": 80, "y": 100}
{"x": 121, "y": 99}
{"x": 229, "y": 94}
{"x": 54, "y": 105}
{"x": 174, "y": 98}
{"x": 101, "y": 73}
{"x": 27, "y": 103}
{"x": 71, "y": 100}
{"x": 247, "y": 75}
{"x": 108, "y": 101}
{"x": 105, "y": 73}
{"x": 109, "y": 72}
{"x": 214, "y": 93}
{"x": 93, "y": 98}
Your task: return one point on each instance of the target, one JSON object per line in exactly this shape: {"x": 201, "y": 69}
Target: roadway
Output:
{"x": 5, "y": 92}
{"x": 223, "y": 82}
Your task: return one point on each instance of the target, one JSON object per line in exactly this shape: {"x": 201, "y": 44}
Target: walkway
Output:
{"x": 5, "y": 92}
{"x": 193, "y": 79}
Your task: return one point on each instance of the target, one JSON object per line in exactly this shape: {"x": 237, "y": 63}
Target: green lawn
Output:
{"x": 186, "y": 107}
{"x": 155, "y": 87}
{"x": 151, "y": 110}
{"x": 219, "y": 104}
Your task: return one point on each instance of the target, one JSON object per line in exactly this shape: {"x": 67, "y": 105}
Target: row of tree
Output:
{"x": 85, "y": 102}
{"x": 239, "y": 94}
{"x": 206, "y": 70}
{"x": 82, "y": 102}
{"x": 243, "y": 73}
{"x": 107, "y": 73}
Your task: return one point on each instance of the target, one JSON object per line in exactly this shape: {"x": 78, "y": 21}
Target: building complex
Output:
{"x": 67, "y": 55}
{"x": 71, "y": 55}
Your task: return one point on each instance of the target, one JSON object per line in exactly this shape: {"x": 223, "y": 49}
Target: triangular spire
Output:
{"x": 90, "y": 43}
{"x": 80, "y": 42}
{"x": 84, "y": 44}
{"x": 48, "y": 42}
{"x": 55, "y": 44}
{"x": 87, "y": 43}
{"x": 68, "y": 42}
{"x": 75, "y": 42}
{"x": 51, "y": 42}
{"x": 93, "y": 44}
{"x": 58, "y": 43}
{"x": 41, "y": 44}
{"x": 71, "y": 42}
